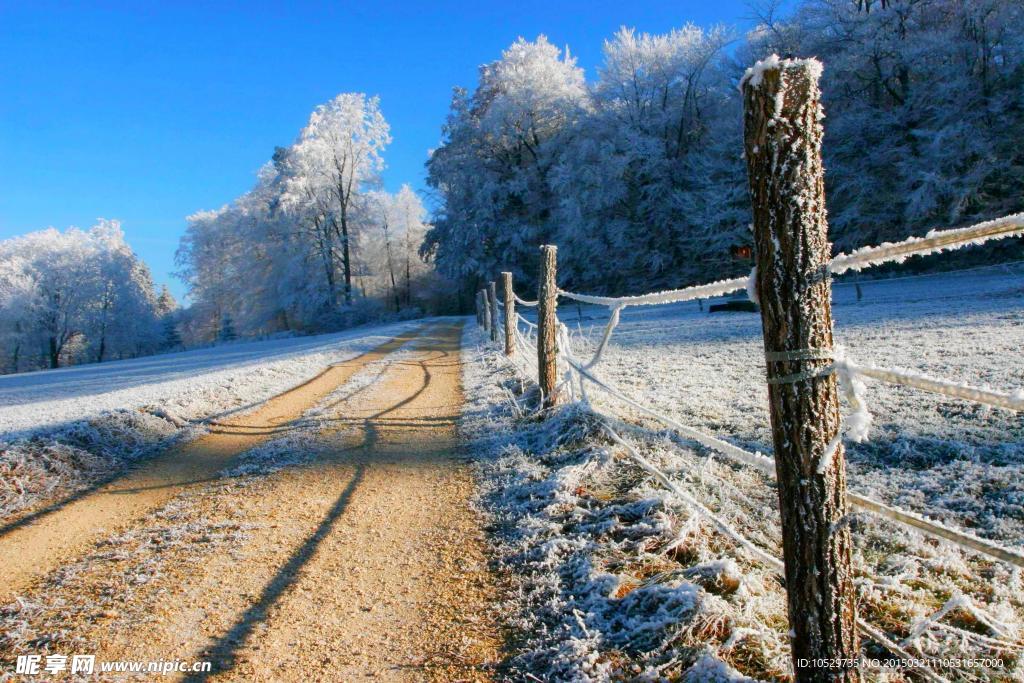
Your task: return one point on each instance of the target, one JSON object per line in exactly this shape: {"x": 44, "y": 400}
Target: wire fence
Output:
{"x": 577, "y": 375}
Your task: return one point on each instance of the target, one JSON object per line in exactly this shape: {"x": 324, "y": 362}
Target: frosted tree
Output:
{"x": 924, "y": 110}
{"x": 250, "y": 259}
{"x": 314, "y": 228}
{"x": 499, "y": 149}
{"x": 337, "y": 156}
{"x": 18, "y": 298}
{"x": 645, "y": 169}
{"x": 643, "y": 180}
{"x": 77, "y": 294}
{"x": 410, "y": 218}
{"x": 64, "y": 284}
{"x": 394, "y": 236}
{"x": 165, "y": 302}
{"x": 167, "y": 309}
{"x": 124, "y": 314}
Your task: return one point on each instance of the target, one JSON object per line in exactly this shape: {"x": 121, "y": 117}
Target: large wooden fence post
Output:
{"x": 782, "y": 137}
{"x": 547, "y": 325}
{"x": 510, "y": 312}
{"x": 492, "y": 299}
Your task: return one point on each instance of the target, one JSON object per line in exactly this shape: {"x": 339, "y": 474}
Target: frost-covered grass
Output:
{"x": 189, "y": 383}
{"x": 63, "y": 430}
{"x": 609, "y": 578}
{"x": 583, "y": 528}
{"x": 114, "y": 583}
{"x": 941, "y": 456}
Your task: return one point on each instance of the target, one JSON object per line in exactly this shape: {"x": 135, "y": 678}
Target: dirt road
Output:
{"x": 351, "y": 552}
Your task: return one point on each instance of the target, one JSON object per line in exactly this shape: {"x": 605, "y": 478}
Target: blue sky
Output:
{"x": 147, "y": 112}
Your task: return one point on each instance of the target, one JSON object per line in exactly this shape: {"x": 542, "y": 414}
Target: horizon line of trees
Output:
{"x": 315, "y": 246}
{"x": 638, "y": 175}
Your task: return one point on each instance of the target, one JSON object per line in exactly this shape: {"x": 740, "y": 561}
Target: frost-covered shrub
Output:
{"x": 38, "y": 467}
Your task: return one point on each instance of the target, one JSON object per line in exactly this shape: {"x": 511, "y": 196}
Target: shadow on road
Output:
{"x": 225, "y": 651}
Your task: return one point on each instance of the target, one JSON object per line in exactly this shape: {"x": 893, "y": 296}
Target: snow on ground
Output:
{"x": 61, "y": 430}
{"x": 614, "y": 575}
{"x": 191, "y": 383}
{"x": 941, "y": 456}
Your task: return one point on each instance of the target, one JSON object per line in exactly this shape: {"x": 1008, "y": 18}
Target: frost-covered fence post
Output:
{"x": 510, "y": 312}
{"x": 782, "y": 137}
{"x": 547, "y": 325}
{"x": 492, "y": 299}
{"x": 486, "y": 310}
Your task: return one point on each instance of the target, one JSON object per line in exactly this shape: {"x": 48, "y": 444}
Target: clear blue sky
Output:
{"x": 147, "y": 112}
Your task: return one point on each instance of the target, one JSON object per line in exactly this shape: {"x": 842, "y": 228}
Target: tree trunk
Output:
{"x": 547, "y": 326}
{"x": 326, "y": 247}
{"x": 346, "y": 257}
{"x": 391, "y": 271}
{"x": 782, "y": 136}
{"x": 54, "y": 353}
{"x": 408, "y": 280}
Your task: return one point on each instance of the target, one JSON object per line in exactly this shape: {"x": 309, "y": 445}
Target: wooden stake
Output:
{"x": 782, "y": 137}
{"x": 510, "y": 313}
{"x": 547, "y": 325}
{"x": 486, "y": 310}
{"x": 492, "y": 299}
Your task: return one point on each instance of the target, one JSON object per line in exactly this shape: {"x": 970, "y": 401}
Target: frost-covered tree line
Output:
{"x": 316, "y": 244}
{"x": 78, "y": 296}
{"x": 637, "y": 175}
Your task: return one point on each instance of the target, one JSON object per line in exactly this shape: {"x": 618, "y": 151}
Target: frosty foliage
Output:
{"x": 951, "y": 462}
{"x": 612, "y": 579}
{"x": 315, "y": 245}
{"x": 638, "y": 176}
{"x": 76, "y": 296}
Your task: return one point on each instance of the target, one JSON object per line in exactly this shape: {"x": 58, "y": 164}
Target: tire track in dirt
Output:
{"x": 31, "y": 550}
{"x": 363, "y": 561}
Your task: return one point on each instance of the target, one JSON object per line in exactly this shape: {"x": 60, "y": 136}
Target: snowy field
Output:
{"x": 929, "y": 453}
{"x": 190, "y": 383}
{"x": 617, "y": 575}
{"x": 64, "y": 429}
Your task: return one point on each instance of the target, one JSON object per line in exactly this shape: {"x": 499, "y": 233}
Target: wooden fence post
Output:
{"x": 476, "y": 307}
{"x": 486, "y": 310}
{"x": 547, "y": 325}
{"x": 782, "y": 139}
{"x": 510, "y": 313}
{"x": 492, "y": 299}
